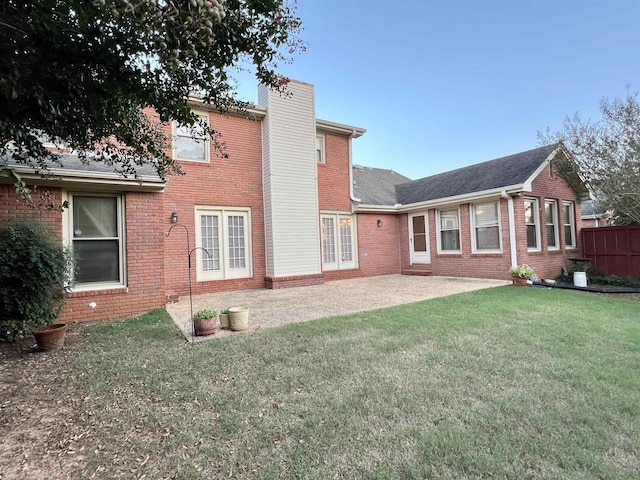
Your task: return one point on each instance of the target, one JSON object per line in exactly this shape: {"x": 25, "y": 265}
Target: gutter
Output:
{"x": 512, "y": 228}
{"x": 439, "y": 202}
{"x": 354, "y": 134}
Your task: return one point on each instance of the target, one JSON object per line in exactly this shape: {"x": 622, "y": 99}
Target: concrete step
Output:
{"x": 417, "y": 271}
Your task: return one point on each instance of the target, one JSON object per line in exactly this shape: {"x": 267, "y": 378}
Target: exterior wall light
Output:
{"x": 379, "y": 223}
{"x": 174, "y": 217}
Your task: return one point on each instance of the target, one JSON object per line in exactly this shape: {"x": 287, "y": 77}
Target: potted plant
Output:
{"x": 224, "y": 318}
{"x": 520, "y": 274}
{"x": 204, "y": 322}
{"x": 36, "y": 270}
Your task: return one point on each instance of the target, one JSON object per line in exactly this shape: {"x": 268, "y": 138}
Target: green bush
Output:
{"x": 204, "y": 314}
{"x": 35, "y": 271}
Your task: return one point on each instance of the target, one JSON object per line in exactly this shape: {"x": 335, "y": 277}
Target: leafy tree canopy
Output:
{"x": 80, "y": 72}
{"x": 606, "y": 154}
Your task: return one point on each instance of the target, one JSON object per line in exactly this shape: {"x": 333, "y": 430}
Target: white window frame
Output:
{"x": 207, "y": 141}
{"x": 225, "y": 272}
{"x": 472, "y": 215}
{"x": 570, "y": 223}
{"x": 339, "y": 263}
{"x": 439, "y": 230}
{"x": 536, "y": 222}
{"x": 68, "y": 238}
{"x": 555, "y": 223}
{"x": 323, "y": 144}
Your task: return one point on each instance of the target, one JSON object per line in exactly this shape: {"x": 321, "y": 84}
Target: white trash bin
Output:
{"x": 580, "y": 279}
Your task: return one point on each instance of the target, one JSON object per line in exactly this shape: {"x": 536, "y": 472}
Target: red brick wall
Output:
{"x": 145, "y": 261}
{"x": 333, "y": 176}
{"x": 227, "y": 182}
{"x": 548, "y": 263}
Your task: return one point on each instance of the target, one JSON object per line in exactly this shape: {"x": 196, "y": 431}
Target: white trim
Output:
{"x": 323, "y": 149}
{"x": 68, "y": 238}
{"x": 332, "y": 127}
{"x": 225, "y": 272}
{"x": 339, "y": 263}
{"x": 527, "y": 186}
{"x": 472, "y": 216}
{"x": 419, "y": 257}
{"x": 536, "y": 222}
{"x": 207, "y": 141}
{"x": 439, "y": 232}
{"x": 556, "y": 223}
{"x": 572, "y": 223}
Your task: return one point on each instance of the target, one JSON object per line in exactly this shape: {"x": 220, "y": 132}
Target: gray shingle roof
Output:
{"x": 72, "y": 162}
{"x": 501, "y": 172}
{"x": 376, "y": 186}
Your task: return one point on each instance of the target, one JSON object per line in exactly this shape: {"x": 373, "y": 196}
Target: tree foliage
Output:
{"x": 80, "y": 72}
{"x": 606, "y": 154}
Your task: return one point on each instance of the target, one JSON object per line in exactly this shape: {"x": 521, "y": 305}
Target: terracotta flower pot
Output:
{"x": 205, "y": 326}
{"x": 50, "y": 337}
{"x": 519, "y": 282}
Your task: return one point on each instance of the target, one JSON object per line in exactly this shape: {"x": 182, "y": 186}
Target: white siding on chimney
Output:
{"x": 290, "y": 181}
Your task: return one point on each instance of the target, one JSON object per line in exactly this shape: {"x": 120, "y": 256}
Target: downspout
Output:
{"x": 512, "y": 228}
{"x": 353, "y": 199}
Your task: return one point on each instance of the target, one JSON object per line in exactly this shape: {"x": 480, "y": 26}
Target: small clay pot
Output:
{"x": 205, "y": 326}
{"x": 50, "y": 337}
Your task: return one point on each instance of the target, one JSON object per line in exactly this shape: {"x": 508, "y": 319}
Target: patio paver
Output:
{"x": 271, "y": 308}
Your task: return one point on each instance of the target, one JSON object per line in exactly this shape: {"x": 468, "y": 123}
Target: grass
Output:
{"x": 504, "y": 383}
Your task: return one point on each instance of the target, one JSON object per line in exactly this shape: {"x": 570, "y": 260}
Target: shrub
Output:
{"x": 35, "y": 271}
{"x": 521, "y": 271}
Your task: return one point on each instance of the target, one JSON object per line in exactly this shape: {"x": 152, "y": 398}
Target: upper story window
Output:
{"x": 96, "y": 232}
{"x": 532, "y": 220}
{"x": 191, "y": 143}
{"x": 338, "y": 241}
{"x": 485, "y": 228}
{"x": 569, "y": 225}
{"x": 320, "y": 149}
{"x": 449, "y": 231}
{"x": 551, "y": 219}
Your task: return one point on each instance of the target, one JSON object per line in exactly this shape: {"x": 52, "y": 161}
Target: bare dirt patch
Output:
{"x": 41, "y": 424}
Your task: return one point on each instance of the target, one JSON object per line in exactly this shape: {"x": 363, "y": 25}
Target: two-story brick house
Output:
{"x": 288, "y": 208}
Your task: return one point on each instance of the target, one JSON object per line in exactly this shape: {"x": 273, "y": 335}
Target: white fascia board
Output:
{"x": 61, "y": 177}
{"x": 256, "y": 112}
{"x": 339, "y": 128}
{"x": 528, "y": 183}
{"x": 441, "y": 202}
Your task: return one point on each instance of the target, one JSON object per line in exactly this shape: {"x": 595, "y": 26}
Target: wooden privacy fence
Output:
{"x": 613, "y": 250}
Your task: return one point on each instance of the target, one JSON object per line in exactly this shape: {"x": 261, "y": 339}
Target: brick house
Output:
{"x": 288, "y": 208}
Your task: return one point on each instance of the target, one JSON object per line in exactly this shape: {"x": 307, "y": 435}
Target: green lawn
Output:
{"x": 505, "y": 383}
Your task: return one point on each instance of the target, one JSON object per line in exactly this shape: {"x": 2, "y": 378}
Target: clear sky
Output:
{"x": 444, "y": 84}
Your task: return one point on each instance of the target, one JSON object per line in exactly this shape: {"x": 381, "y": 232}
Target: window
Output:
{"x": 532, "y": 220}
{"x": 320, "y": 155}
{"x": 449, "y": 231}
{"x": 486, "y": 228}
{"x": 191, "y": 143}
{"x": 338, "y": 246}
{"x": 551, "y": 219}
{"x": 97, "y": 239}
{"x": 224, "y": 237}
{"x": 569, "y": 225}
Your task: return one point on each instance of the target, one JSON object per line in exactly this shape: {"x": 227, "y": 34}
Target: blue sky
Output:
{"x": 441, "y": 85}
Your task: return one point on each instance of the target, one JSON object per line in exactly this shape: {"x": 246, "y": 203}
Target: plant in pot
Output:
{"x": 224, "y": 318}
{"x": 204, "y": 322}
{"x": 36, "y": 270}
{"x": 520, "y": 274}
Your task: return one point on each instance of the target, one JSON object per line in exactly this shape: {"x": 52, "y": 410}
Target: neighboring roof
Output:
{"x": 592, "y": 209}
{"x": 376, "y": 186}
{"x": 502, "y": 172}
